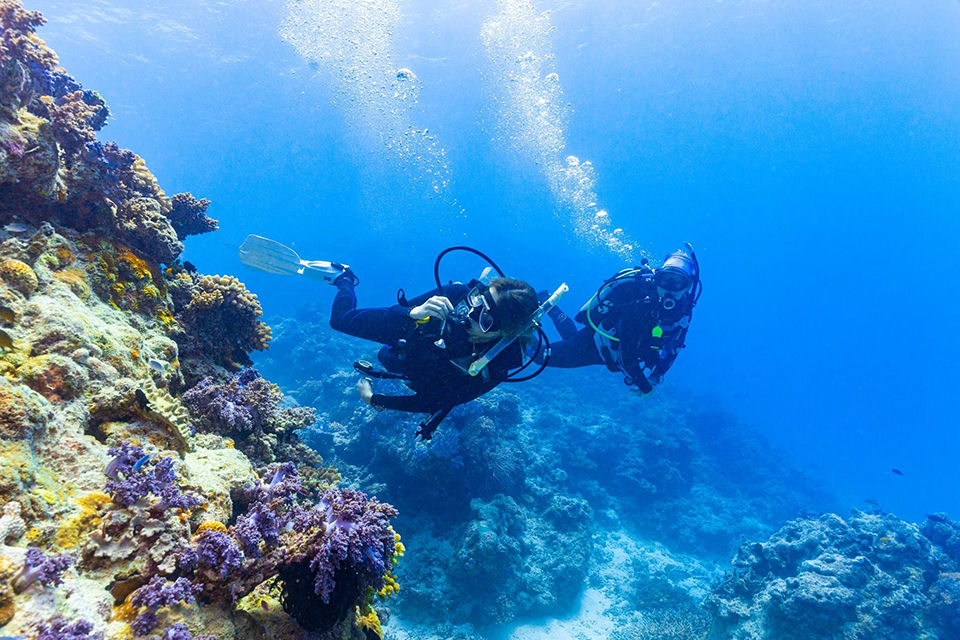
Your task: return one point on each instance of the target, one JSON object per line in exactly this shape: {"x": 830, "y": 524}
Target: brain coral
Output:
{"x": 19, "y": 276}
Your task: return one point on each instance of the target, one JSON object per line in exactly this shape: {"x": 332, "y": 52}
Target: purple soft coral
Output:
{"x": 218, "y": 552}
{"x": 242, "y": 406}
{"x": 40, "y": 568}
{"x": 60, "y": 628}
{"x": 357, "y": 535}
{"x": 133, "y": 477}
{"x": 156, "y": 594}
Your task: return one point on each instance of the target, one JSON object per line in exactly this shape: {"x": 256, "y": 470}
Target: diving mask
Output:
{"x": 677, "y": 275}
{"x": 478, "y": 305}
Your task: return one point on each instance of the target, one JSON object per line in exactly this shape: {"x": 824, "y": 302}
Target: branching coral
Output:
{"x": 156, "y": 594}
{"x": 76, "y": 117}
{"x": 134, "y": 475}
{"x": 188, "y": 215}
{"x": 60, "y": 628}
{"x": 11, "y": 524}
{"x": 342, "y": 547}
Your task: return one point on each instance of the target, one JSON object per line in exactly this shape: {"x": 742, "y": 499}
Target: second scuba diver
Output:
{"x": 636, "y": 323}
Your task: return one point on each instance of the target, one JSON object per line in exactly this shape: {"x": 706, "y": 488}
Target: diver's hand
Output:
{"x": 365, "y": 390}
{"x": 436, "y": 306}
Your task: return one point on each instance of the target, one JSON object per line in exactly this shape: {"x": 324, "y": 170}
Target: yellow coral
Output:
{"x": 211, "y": 525}
{"x": 33, "y": 535}
{"x": 76, "y": 279}
{"x": 134, "y": 263}
{"x": 19, "y": 276}
{"x": 65, "y": 255}
{"x": 368, "y": 620}
{"x": 48, "y": 496}
{"x": 391, "y": 586}
{"x": 165, "y": 317}
{"x": 76, "y": 528}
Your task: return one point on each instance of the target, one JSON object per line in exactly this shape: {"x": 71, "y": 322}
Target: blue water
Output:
{"x": 809, "y": 150}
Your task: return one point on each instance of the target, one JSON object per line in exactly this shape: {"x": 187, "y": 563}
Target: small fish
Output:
{"x": 189, "y": 267}
{"x": 897, "y": 471}
{"x": 7, "y": 314}
{"x": 884, "y": 540}
{"x": 872, "y": 502}
{"x": 142, "y": 461}
{"x": 936, "y": 517}
{"x": 5, "y": 340}
{"x": 15, "y": 227}
{"x": 158, "y": 365}
{"x": 142, "y": 401}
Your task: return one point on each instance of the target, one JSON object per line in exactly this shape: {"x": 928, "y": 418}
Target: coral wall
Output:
{"x": 152, "y": 486}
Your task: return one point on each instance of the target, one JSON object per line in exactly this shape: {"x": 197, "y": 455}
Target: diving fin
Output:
{"x": 271, "y": 256}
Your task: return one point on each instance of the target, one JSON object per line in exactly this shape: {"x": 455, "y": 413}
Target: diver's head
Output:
{"x": 678, "y": 281}
{"x": 678, "y": 275}
{"x": 502, "y": 309}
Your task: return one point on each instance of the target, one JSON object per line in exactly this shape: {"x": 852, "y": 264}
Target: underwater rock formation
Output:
{"x": 870, "y": 576}
{"x": 124, "y": 514}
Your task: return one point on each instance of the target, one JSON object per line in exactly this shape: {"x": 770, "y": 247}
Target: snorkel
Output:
{"x": 480, "y": 363}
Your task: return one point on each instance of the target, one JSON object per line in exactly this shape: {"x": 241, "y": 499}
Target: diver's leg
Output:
{"x": 383, "y": 325}
{"x": 578, "y": 351}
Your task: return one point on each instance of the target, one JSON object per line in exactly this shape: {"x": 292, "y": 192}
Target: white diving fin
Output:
{"x": 271, "y": 256}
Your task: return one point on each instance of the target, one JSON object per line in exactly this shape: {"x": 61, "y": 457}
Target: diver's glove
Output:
{"x": 436, "y": 306}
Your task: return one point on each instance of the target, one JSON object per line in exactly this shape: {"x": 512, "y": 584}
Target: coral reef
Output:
{"x": 222, "y": 320}
{"x": 120, "y": 517}
{"x": 189, "y": 215}
{"x": 870, "y": 576}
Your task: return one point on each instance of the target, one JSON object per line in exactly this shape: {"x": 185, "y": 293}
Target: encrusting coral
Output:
{"x": 222, "y": 319}
{"x": 151, "y": 519}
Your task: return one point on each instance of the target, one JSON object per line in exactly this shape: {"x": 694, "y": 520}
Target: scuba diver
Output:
{"x": 449, "y": 346}
{"x": 635, "y": 323}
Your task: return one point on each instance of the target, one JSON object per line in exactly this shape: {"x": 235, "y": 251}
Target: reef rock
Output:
{"x": 871, "y": 576}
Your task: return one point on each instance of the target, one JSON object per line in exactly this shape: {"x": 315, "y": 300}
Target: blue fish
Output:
{"x": 136, "y": 467}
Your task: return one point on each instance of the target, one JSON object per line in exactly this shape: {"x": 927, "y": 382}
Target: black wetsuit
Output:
{"x": 438, "y": 384}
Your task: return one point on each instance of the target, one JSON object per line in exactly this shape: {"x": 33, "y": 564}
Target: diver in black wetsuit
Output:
{"x": 431, "y": 340}
{"x": 636, "y": 323}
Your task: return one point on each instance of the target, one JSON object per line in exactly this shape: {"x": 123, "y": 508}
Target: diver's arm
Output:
{"x": 563, "y": 323}
{"x": 452, "y": 291}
